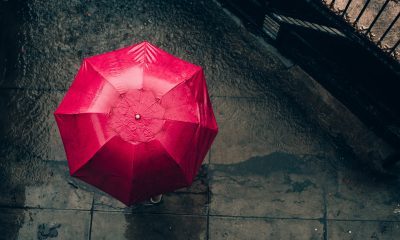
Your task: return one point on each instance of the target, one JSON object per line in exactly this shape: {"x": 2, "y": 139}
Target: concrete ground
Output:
{"x": 288, "y": 163}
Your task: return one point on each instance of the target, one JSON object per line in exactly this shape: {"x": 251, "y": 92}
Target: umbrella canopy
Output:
{"x": 136, "y": 122}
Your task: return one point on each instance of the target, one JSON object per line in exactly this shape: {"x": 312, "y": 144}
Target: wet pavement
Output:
{"x": 290, "y": 162}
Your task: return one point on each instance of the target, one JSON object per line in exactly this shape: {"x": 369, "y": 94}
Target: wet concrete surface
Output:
{"x": 289, "y": 162}
{"x": 247, "y": 228}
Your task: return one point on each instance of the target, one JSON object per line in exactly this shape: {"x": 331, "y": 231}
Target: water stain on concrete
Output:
{"x": 266, "y": 165}
{"x": 46, "y": 231}
{"x": 301, "y": 186}
{"x": 154, "y": 221}
{"x": 163, "y": 226}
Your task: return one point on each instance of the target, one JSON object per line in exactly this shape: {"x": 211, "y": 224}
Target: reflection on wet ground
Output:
{"x": 272, "y": 173}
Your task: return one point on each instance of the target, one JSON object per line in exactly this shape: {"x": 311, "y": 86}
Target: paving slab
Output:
{"x": 51, "y": 188}
{"x": 362, "y": 195}
{"x": 44, "y": 224}
{"x": 60, "y": 191}
{"x": 117, "y": 225}
{"x": 275, "y": 185}
{"x": 251, "y": 127}
{"x": 254, "y": 229}
{"x": 361, "y": 230}
{"x": 268, "y": 160}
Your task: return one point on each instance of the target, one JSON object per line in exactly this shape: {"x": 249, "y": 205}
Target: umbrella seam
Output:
{"x": 170, "y": 156}
{"x": 90, "y": 158}
{"x": 65, "y": 113}
{"x": 198, "y": 125}
{"x": 131, "y": 190}
{"x": 183, "y": 82}
{"x": 179, "y": 166}
{"x": 177, "y": 85}
{"x": 101, "y": 75}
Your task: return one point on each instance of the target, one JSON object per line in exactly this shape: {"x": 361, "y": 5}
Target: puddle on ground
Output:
{"x": 162, "y": 226}
{"x": 265, "y": 165}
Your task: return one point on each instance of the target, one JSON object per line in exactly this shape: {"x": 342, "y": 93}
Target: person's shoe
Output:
{"x": 156, "y": 199}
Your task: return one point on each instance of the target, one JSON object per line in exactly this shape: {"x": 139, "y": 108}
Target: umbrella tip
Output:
{"x": 137, "y": 116}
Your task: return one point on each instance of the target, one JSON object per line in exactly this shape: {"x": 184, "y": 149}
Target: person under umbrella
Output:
{"x": 137, "y": 122}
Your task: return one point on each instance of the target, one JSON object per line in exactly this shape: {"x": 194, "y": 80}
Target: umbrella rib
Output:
{"x": 179, "y": 166}
{"x": 85, "y": 161}
{"x": 197, "y": 123}
{"x": 132, "y": 169}
{"x": 168, "y": 119}
{"x": 105, "y": 79}
{"x": 140, "y": 96}
{"x": 78, "y": 113}
{"x": 145, "y": 110}
{"x": 183, "y": 82}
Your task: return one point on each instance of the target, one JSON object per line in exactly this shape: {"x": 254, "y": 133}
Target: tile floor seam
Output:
{"x": 362, "y": 220}
{"x": 91, "y": 219}
{"x": 264, "y": 217}
{"x": 208, "y": 197}
{"x": 152, "y": 213}
{"x": 325, "y": 222}
{"x": 198, "y": 215}
{"x": 208, "y": 222}
{"x": 271, "y": 218}
{"x": 41, "y": 208}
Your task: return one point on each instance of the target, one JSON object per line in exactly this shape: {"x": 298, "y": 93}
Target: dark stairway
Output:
{"x": 352, "y": 50}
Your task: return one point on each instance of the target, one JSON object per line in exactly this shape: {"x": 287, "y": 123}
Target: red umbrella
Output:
{"x": 136, "y": 122}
